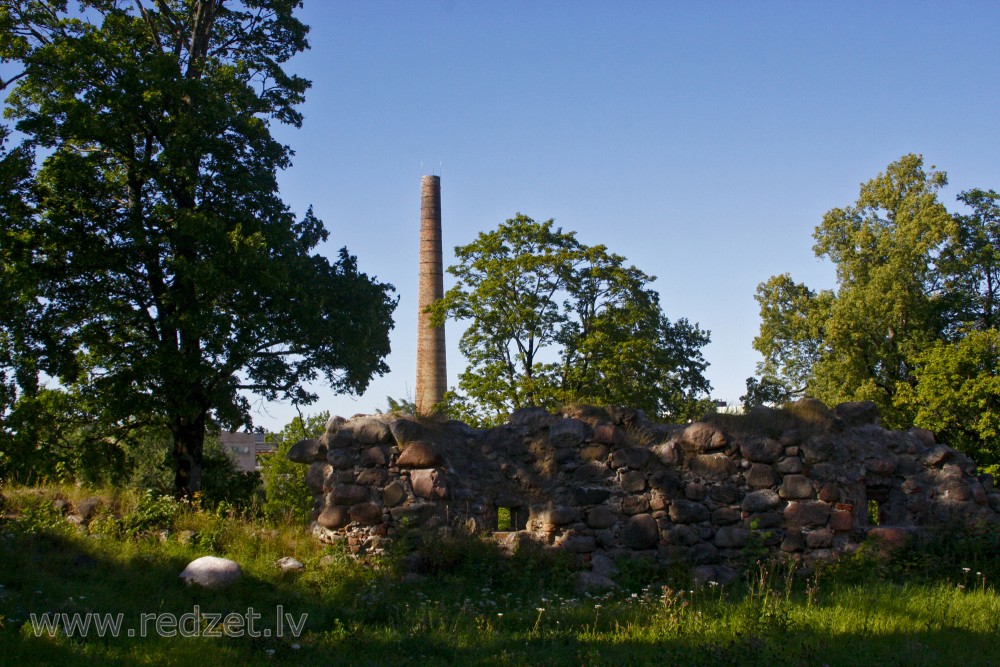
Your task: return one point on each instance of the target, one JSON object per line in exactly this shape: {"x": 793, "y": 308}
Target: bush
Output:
{"x": 286, "y": 495}
{"x": 222, "y": 482}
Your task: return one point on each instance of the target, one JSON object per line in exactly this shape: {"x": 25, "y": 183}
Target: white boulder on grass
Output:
{"x": 289, "y": 564}
{"x": 212, "y": 572}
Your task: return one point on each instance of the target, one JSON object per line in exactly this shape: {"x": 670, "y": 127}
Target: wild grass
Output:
{"x": 808, "y": 417}
{"x": 463, "y": 604}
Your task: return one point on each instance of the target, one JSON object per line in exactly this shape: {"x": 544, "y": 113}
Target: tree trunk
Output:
{"x": 189, "y": 442}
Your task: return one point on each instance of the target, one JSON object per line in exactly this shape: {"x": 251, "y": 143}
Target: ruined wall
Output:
{"x": 606, "y": 482}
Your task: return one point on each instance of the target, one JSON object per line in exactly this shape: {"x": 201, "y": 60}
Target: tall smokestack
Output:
{"x": 432, "y": 372}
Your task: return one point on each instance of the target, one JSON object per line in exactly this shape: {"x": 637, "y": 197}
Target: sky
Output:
{"x": 703, "y": 141}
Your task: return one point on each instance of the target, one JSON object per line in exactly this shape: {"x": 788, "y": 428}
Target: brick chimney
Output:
{"x": 432, "y": 375}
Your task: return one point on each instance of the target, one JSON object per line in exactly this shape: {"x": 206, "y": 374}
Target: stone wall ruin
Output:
{"x": 603, "y": 483}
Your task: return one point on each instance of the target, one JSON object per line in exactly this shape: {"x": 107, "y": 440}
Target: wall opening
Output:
{"x": 878, "y": 499}
{"x": 511, "y": 519}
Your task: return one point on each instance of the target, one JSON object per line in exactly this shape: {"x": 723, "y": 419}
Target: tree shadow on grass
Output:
{"x": 72, "y": 576}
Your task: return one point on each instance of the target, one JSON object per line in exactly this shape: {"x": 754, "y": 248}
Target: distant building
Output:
{"x": 245, "y": 447}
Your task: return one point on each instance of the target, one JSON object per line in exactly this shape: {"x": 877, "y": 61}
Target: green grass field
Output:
{"x": 468, "y": 606}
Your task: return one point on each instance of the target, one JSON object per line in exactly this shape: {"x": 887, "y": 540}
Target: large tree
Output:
{"x": 168, "y": 273}
{"x": 554, "y": 321}
{"x": 913, "y": 283}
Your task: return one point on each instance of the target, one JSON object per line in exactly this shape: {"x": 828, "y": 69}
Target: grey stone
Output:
{"x": 731, "y": 537}
{"x": 212, "y": 572}
{"x": 366, "y": 514}
{"x": 317, "y": 475}
{"x": 558, "y": 516}
{"x": 805, "y": 513}
{"x": 86, "y": 509}
{"x": 669, "y": 453}
{"x": 603, "y": 565}
{"x": 761, "y": 476}
{"x": 819, "y": 539}
{"x": 289, "y": 564}
{"x": 591, "y": 472}
{"x": 712, "y": 466}
{"x": 370, "y": 431}
{"x": 609, "y": 434}
{"x": 633, "y": 482}
{"x": 636, "y": 504}
{"x": 578, "y": 544}
{"x": 532, "y": 418}
{"x": 938, "y": 455}
{"x": 687, "y": 511}
{"x": 341, "y": 459}
{"x": 668, "y": 482}
{"x": 760, "y": 501}
{"x": 419, "y": 454}
{"x": 568, "y": 432}
{"x": 589, "y": 495}
{"x": 631, "y": 457}
{"x": 695, "y": 491}
{"x": 374, "y": 456}
{"x": 796, "y": 487}
{"x": 641, "y": 532}
{"x": 703, "y": 553}
{"x": 405, "y": 431}
{"x": 702, "y": 437}
{"x": 790, "y": 465}
{"x": 373, "y": 477}
{"x": 725, "y": 516}
{"x": 589, "y": 582}
{"x": 348, "y": 494}
{"x": 601, "y": 517}
{"x": 724, "y": 493}
{"x": 682, "y": 536}
{"x": 306, "y": 451}
{"x": 334, "y": 516}
{"x": 761, "y": 450}
{"x": 793, "y": 542}
{"x": 428, "y": 483}
{"x": 825, "y": 449}
{"x": 340, "y": 438}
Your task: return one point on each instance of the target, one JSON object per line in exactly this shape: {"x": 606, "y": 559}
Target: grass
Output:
{"x": 467, "y": 605}
{"x": 808, "y": 417}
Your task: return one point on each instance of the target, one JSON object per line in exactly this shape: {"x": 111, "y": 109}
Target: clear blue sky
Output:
{"x": 701, "y": 140}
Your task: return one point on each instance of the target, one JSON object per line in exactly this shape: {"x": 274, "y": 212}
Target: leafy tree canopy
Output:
{"x": 554, "y": 321}
{"x": 913, "y": 283}
{"x": 161, "y": 270}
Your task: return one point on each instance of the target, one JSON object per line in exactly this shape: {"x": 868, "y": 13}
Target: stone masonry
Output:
{"x": 600, "y": 483}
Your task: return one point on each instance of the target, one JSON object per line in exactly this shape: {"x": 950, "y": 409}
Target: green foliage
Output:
{"x": 162, "y": 272}
{"x": 766, "y": 611}
{"x": 227, "y": 485}
{"x": 554, "y": 321}
{"x": 765, "y": 391}
{"x": 504, "y": 521}
{"x": 957, "y": 393}
{"x": 286, "y": 496}
{"x": 790, "y": 339}
{"x": 909, "y": 325}
{"x": 37, "y": 513}
{"x": 151, "y": 513}
{"x": 404, "y": 406}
